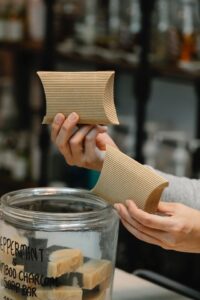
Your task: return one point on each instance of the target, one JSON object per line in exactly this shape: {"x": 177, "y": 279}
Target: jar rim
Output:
{"x": 51, "y": 221}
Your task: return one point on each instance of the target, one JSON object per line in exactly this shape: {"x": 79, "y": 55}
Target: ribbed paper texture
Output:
{"x": 124, "y": 178}
{"x": 89, "y": 94}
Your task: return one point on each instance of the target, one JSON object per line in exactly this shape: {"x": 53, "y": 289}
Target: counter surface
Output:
{"x": 131, "y": 287}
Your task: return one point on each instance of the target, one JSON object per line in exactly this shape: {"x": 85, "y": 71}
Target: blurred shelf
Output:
{"x": 167, "y": 71}
{"x": 164, "y": 71}
{"x": 173, "y": 72}
{"x": 97, "y": 60}
{"x": 30, "y": 46}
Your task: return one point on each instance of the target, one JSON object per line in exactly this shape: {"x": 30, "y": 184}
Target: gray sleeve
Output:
{"x": 183, "y": 190}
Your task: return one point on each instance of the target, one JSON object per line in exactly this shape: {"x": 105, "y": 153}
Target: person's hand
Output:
{"x": 174, "y": 226}
{"x": 82, "y": 146}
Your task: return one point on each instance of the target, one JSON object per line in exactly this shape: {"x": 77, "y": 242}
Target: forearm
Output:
{"x": 182, "y": 190}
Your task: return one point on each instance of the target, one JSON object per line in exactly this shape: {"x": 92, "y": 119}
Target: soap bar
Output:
{"x": 89, "y": 94}
{"x": 101, "y": 295}
{"x": 94, "y": 272}
{"x": 99, "y": 292}
{"x": 63, "y": 261}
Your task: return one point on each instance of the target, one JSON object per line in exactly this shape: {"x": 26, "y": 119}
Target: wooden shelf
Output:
{"x": 173, "y": 72}
{"x": 96, "y": 60}
{"x": 165, "y": 71}
{"x": 25, "y": 45}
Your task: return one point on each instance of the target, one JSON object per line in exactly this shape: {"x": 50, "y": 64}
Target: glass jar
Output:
{"x": 57, "y": 243}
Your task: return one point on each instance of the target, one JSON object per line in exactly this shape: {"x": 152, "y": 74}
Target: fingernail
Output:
{"x": 58, "y": 118}
{"x": 128, "y": 202}
{"x": 117, "y": 207}
{"x": 73, "y": 117}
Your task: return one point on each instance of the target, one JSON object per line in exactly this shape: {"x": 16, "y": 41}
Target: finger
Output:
{"x": 164, "y": 223}
{"x": 65, "y": 133}
{"x": 166, "y": 208}
{"x": 56, "y": 125}
{"x": 90, "y": 142}
{"x": 104, "y": 139}
{"x": 154, "y": 233}
{"x": 163, "y": 240}
{"x": 140, "y": 235}
{"x": 123, "y": 213}
{"x": 76, "y": 142}
{"x": 102, "y": 129}
{"x": 166, "y": 239}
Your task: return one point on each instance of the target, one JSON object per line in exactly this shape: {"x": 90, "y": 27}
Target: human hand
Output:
{"x": 83, "y": 146}
{"x": 174, "y": 226}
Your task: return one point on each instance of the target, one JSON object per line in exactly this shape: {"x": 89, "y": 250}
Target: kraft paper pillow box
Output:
{"x": 89, "y": 94}
{"x": 124, "y": 178}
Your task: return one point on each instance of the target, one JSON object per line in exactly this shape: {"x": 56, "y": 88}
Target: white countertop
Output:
{"x": 131, "y": 287}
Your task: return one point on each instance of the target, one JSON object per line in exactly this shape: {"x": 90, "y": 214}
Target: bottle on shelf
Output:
{"x": 151, "y": 146}
{"x": 90, "y": 22}
{"x": 166, "y": 34}
{"x": 58, "y": 14}
{"x": 36, "y": 19}
{"x": 16, "y": 21}
{"x": 5, "y": 14}
{"x": 182, "y": 159}
{"x": 130, "y": 26}
{"x": 160, "y": 42}
{"x": 134, "y": 27}
{"x": 3, "y": 20}
{"x": 174, "y": 33}
{"x": 71, "y": 24}
{"x": 113, "y": 23}
{"x": 197, "y": 31}
{"x": 102, "y": 24}
{"x": 189, "y": 21}
{"x": 174, "y": 153}
{"x": 84, "y": 24}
